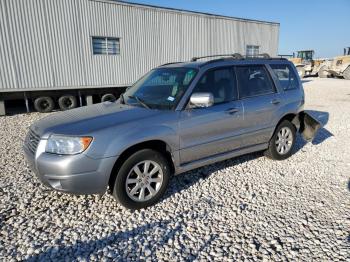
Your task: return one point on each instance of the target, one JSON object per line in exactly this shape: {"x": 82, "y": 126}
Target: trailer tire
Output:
{"x": 301, "y": 71}
{"x": 346, "y": 73}
{"x": 322, "y": 73}
{"x": 67, "y": 102}
{"x": 44, "y": 104}
{"x": 108, "y": 97}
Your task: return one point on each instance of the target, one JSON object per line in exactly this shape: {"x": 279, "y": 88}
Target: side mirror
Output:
{"x": 201, "y": 100}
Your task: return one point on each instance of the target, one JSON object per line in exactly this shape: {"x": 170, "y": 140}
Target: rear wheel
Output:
{"x": 44, "y": 104}
{"x": 142, "y": 179}
{"x": 346, "y": 73}
{"x": 282, "y": 141}
{"x": 322, "y": 73}
{"x": 301, "y": 71}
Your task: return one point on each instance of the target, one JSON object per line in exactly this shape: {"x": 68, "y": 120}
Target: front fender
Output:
{"x": 158, "y": 132}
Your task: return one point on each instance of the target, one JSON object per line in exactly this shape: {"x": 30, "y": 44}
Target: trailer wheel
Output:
{"x": 301, "y": 71}
{"x": 322, "y": 73}
{"x": 108, "y": 97}
{"x": 44, "y": 104}
{"x": 67, "y": 102}
{"x": 346, "y": 73}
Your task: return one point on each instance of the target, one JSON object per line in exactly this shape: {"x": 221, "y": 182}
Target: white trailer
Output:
{"x": 79, "y": 50}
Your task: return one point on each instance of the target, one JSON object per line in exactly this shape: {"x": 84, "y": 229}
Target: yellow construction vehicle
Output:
{"x": 305, "y": 63}
{"x": 340, "y": 66}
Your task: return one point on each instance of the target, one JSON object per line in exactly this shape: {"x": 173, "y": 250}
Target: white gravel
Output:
{"x": 247, "y": 208}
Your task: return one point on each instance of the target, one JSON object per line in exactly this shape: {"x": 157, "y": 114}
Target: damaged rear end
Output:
{"x": 307, "y": 125}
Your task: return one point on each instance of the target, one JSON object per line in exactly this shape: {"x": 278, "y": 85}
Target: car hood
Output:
{"x": 87, "y": 119}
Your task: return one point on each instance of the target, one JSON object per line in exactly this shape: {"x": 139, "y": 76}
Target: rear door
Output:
{"x": 205, "y": 132}
{"x": 291, "y": 90}
{"x": 260, "y": 101}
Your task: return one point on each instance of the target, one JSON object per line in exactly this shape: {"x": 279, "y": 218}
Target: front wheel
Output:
{"x": 282, "y": 141}
{"x": 142, "y": 179}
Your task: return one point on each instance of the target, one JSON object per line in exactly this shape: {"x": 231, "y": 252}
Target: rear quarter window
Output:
{"x": 286, "y": 76}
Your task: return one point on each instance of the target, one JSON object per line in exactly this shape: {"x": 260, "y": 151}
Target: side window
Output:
{"x": 286, "y": 76}
{"x": 253, "y": 81}
{"x": 220, "y": 82}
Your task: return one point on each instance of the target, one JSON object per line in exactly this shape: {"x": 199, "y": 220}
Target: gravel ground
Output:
{"x": 247, "y": 208}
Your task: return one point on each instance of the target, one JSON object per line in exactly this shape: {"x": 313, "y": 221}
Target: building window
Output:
{"x": 105, "y": 45}
{"x": 252, "y": 50}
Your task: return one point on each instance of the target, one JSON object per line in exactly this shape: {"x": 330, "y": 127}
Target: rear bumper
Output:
{"x": 308, "y": 126}
{"x": 77, "y": 174}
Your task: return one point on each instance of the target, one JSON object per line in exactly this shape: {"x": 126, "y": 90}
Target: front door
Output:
{"x": 205, "y": 132}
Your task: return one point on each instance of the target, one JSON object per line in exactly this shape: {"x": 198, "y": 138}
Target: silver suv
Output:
{"x": 177, "y": 117}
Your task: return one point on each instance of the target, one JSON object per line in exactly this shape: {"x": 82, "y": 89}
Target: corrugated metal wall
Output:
{"x": 47, "y": 43}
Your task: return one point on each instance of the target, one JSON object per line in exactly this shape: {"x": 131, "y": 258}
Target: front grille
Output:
{"x": 32, "y": 141}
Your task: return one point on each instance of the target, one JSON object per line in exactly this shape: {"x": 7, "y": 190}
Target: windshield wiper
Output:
{"x": 140, "y": 101}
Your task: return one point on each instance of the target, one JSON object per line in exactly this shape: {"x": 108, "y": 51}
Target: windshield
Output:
{"x": 161, "y": 88}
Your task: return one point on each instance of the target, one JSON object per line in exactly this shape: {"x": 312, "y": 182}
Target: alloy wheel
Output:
{"x": 284, "y": 140}
{"x": 144, "y": 181}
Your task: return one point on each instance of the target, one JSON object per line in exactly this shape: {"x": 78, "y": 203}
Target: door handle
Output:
{"x": 231, "y": 111}
{"x": 275, "y": 101}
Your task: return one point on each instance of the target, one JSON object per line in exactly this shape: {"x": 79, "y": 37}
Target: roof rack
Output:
{"x": 264, "y": 55}
{"x": 234, "y": 56}
{"x": 170, "y": 63}
{"x": 284, "y": 56}
{"x": 224, "y": 57}
{"x": 239, "y": 56}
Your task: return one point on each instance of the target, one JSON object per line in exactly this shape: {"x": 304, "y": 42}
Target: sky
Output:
{"x": 321, "y": 25}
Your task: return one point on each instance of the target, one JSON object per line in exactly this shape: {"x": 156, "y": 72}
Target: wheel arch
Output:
{"x": 157, "y": 145}
{"x": 291, "y": 117}
{"x": 304, "y": 123}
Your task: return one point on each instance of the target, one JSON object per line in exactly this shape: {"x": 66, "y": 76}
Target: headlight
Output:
{"x": 67, "y": 145}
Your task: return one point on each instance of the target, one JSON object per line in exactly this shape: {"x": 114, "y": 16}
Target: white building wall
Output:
{"x": 47, "y": 43}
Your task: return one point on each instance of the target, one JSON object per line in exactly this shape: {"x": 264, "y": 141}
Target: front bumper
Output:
{"x": 77, "y": 174}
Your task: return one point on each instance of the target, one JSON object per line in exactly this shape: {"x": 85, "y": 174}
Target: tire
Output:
{"x": 277, "y": 154}
{"x": 67, "y": 102}
{"x": 346, "y": 73}
{"x": 44, "y": 104}
{"x": 108, "y": 97}
{"x": 322, "y": 73}
{"x": 301, "y": 71}
{"x": 123, "y": 191}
